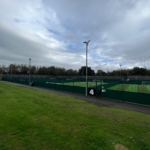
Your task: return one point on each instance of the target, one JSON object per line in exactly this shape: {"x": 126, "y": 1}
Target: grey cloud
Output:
{"x": 116, "y": 29}
{"x": 86, "y": 15}
{"x": 16, "y": 49}
{"x": 18, "y": 46}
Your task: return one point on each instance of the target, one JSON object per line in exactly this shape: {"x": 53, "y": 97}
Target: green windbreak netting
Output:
{"x": 135, "y": 91}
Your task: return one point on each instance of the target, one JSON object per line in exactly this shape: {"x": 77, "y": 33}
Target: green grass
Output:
{"x": 35, "y": 120}
{"x": 148, "y": 87}
{"x": 82, "y": 84}
{"x": 143, "y": 89}
{"x": 116, "y": 87}
{"x": 131, "y": 88}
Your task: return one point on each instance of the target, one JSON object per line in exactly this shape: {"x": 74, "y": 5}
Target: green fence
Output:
{"x": 61, "y": 84}
{"x": 139, "y": 98}
{"x": 134, "y": 91}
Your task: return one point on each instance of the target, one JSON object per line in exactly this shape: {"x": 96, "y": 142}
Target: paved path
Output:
{"x": 97, "y": 101}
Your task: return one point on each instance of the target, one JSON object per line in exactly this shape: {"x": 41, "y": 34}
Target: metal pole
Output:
{"x": 120, "y": 70}
{"x": 29, "y": 69}
{"x": 11, "y": 73}
{"x": 86, "y": 66}
{"x": 107, "y": 74}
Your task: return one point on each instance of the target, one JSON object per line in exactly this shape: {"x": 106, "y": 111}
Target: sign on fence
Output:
{"x": 92, "y": 91}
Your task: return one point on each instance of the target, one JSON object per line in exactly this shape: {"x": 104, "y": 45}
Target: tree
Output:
{"x": 42, "y": 70}
{"x": 139, "y": 71}
{"x": 82, "y": 71}
{"x": 52, "y": 70}
{"x": 24, "y": 69}
{"x": 100, "y": 73}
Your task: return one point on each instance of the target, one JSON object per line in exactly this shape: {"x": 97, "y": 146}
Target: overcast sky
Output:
{"x": 52, "y": 32}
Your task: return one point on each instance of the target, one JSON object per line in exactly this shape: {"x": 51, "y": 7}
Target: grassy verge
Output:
{"x": 31, "y": 119}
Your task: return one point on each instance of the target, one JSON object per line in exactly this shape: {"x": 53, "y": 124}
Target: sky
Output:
{"x": 52, "y": 33}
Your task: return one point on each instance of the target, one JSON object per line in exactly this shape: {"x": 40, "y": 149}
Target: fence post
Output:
{"x": 96, "y": 87}
{"x": 73, "y": 85}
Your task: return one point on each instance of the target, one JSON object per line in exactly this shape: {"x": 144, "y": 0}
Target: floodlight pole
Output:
{"x": 120, "y": 69}
{"x": 11, "y": 72}
{"x": 29, "y": 69}
{"x": 86, "y": 66}
{"x": 107, "y": 71}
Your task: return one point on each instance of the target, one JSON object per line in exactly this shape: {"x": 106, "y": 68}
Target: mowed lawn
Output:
{"x": 38, "y": 120}
{"x": 131, "y": 88}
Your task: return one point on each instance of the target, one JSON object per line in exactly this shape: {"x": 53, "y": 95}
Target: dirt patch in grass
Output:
{"x": 120, "y": 147}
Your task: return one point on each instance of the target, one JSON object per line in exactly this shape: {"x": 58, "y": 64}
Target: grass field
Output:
{"x": 83, "y": 84}
{"x": 38, "y": 120}
{"x": 131, "y": 88}
{"x": 118, "y": 87}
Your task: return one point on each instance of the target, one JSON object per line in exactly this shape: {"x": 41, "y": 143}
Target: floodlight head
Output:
{"x": 87, "y": 42}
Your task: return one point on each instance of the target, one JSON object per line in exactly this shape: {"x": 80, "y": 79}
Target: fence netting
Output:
{"x": 134, "y": 91}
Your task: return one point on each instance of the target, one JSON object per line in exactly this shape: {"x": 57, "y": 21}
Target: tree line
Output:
{"x": 59, "y": 71}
